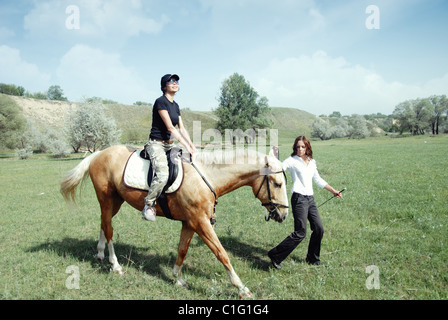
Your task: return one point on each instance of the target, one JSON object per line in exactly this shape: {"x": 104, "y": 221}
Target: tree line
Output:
{"x": 240, "y": 107}
{"x": 416, "y": 117}
{"x": 53, "y": 92}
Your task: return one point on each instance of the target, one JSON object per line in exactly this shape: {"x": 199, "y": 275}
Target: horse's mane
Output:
{"x": 230, "y": 157}
{"x": 236, "y": 157}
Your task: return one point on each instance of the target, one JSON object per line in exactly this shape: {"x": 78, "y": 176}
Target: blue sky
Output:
{"x": 312, "y": 55}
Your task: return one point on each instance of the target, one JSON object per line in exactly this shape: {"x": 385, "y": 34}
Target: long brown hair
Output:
{"x": 306, "y": 141}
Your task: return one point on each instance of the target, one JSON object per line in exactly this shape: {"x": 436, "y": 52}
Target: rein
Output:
{"x": 206, "y": 182}
{"x": 213, "y": 219}
{"x": 274, "y": 205}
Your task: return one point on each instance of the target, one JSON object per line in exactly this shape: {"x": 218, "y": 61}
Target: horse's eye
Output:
{"x": 277, "y": 185}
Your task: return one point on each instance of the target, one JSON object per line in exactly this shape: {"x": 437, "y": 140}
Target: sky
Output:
{"x": 320, "y": 56}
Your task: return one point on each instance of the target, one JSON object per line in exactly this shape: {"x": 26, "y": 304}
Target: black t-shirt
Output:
{"x": 159, "y": 130}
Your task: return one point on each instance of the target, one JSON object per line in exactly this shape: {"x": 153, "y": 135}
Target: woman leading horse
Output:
{"x": 193, "y": 203}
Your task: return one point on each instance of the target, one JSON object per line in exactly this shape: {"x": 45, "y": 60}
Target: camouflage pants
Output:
{"x": 157, "y": 153}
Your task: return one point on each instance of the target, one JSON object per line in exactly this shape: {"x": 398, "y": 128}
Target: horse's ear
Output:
{"x": 268, "y": 163}
{"x": 274, "y": 152}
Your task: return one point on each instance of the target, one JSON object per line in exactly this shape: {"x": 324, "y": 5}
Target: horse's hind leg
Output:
{"x": 185, "y": 238}
{"x": 109, "y": 207}
{"x": 101, "y": 246}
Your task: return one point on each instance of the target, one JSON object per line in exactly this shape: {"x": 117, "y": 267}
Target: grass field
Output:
{"x": 393, "y": 216}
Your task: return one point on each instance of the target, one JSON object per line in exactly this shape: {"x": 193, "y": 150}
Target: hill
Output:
{"x": 135, "y": 121}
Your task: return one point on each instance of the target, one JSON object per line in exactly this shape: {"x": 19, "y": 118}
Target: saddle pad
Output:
{"x": 136, "y": 173}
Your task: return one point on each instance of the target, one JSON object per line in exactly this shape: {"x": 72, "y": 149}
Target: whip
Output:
{"x": 331, "y": 198}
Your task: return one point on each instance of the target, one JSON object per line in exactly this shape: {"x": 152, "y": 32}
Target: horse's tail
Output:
{"x": 75, "y": 176}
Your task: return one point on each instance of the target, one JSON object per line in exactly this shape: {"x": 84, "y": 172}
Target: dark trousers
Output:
{"x": 303, "y": 208}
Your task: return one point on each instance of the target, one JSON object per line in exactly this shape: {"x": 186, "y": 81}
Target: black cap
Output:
{"x": 167, "y": 78}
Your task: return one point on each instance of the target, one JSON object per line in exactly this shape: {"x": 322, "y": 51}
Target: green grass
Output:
{"x": 393, "y": 216}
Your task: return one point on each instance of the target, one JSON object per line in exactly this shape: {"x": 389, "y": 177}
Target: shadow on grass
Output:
{"x": 256, "y": 256}
{"x": 129, "y": 256}
{"x": 139, "y": 258}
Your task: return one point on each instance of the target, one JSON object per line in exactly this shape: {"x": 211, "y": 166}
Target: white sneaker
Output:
{"x": 149, "y": 213}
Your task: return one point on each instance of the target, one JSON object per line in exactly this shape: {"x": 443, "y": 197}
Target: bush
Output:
{"x": 12, "y": 123}
{"x": 24, "y": 153}
{"x": 59, "y": 149}
{"x": 355, "y": 127}
{"x": 43, "y": 141}
{"x": 88, "y": 126}
{"x": 321, "y": 129}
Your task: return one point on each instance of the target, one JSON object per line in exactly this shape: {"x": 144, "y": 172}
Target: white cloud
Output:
{"x": 318, "y": 21}
{"x": 322, "y": 84}
{"x": 85, "y": 71}
{"x": 105, "y": 19}
{"x": 15, "y": 70}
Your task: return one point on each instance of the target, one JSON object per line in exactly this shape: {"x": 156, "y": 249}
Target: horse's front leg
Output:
{"x": 185, "y": 239}
{"x": 207, "y": 233}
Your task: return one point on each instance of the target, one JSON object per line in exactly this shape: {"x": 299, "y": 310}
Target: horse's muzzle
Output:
{"x": 277, "y": 213}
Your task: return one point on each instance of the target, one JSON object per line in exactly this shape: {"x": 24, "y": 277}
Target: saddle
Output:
{"x": 138, "y": 174}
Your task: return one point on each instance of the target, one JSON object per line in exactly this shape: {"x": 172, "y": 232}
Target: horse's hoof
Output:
{"x": 245, "y": 293}
{"x": 181, "y": 284}
{"x": 118, "y": 271}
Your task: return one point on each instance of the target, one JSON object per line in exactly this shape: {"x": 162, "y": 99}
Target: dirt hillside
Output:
{"x": 48, "y": 112}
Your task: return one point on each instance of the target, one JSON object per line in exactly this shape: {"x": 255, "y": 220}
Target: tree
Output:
{"x": 321, "y": 129}
{"x": 341, "y": 129}
{"x": 88, "y": 126}
{"x": 335, "y": 114}
{"x": 240, "y": 106}
{"x": 423, "y": 111}
{"x": 12, "y": 89}
{"x": 358, "y": 127}
{"x": 440, "y": 107}
{"x": 12, "y": 123}
{"x": 414, "y": 115}
{"x": 404, "y": 114}
{"x": 56, "y": 93}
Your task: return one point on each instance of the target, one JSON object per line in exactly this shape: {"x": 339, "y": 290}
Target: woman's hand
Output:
{"x": 335, "y": 192}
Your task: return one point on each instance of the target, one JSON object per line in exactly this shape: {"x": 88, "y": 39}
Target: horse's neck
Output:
{"x": 226, "y": 178}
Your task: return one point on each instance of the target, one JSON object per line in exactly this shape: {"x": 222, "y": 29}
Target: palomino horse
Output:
{"x": 193, "y": 203}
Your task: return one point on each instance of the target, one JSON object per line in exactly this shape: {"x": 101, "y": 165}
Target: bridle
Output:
{"x": 274, "y": 205}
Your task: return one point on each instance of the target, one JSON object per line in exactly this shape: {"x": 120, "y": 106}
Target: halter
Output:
{"x": 274, "y": 205}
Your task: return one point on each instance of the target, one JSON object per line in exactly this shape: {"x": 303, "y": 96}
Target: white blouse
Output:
{"x": 303, "y": 175}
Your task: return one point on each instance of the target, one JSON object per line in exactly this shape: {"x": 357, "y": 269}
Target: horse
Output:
{"x": 209, "y": 176}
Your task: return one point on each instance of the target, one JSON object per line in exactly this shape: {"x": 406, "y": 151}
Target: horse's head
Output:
{"x": 271, "y": 189}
